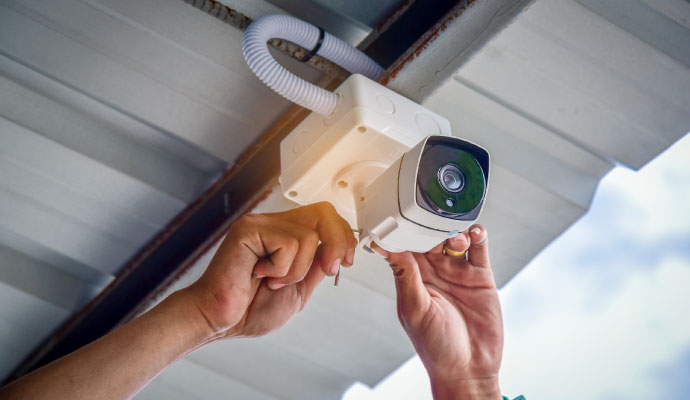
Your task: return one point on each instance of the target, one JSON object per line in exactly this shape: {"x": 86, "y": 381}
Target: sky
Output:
{"x": 602, "y": 312}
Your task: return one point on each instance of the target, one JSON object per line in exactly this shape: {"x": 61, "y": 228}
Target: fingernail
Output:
{"x": 350, "y": 256}
{"x": 335, "y": 266}
{"x": 277, "y": 286}
{"x": 476, "y": 230}
{"x": 378, "y": 250}
{"x": 255, "y": 276}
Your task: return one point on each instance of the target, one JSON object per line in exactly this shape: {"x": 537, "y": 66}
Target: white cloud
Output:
{"x": 652, "y": 196}
{"x": 605, "y": 305}
{"x": 606, "y": 352}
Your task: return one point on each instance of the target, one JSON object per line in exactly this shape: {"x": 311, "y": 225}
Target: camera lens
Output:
{"x": 451, "y": 178}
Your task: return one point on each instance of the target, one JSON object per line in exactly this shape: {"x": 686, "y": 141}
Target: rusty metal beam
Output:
{"x": 393, "y": 40}
{"x": 449, "y": 44}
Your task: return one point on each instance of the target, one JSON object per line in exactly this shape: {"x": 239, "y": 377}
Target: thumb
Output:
{"x": 413, "y": 298}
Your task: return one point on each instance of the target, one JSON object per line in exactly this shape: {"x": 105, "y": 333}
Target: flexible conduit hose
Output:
{"x": 287, "y": 84}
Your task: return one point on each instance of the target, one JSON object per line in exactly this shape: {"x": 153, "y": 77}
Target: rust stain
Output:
{"x": 393, "y": 16}
{"x": 223, "y": 12}
{"x": 240, "y": 21}
{"x": 400, "y": 9}
{"x": 427, "y": 39}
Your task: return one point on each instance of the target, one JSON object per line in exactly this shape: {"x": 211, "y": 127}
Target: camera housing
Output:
{"x": 432, "y": 192}
{"x": 364, "y": 158}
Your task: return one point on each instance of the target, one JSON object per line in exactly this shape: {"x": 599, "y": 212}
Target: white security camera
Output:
{"x": 434, "y": 191}
{"x": 389, "y": 166}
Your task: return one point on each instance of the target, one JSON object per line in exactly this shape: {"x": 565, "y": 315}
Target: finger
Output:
{"x": 378, "y": 250}
{"x": 413, "y": 298}
{"x": 349, "y": 257}
{"x": 459, "y": 242}
{"x": 308, "y": 284}
{"x": 337, "y": 240}
{"x": 478, "y": 254}
{"x": 308, "y": 243}
{"x": 462, "y": 273}
{"x": 438, "y": 249}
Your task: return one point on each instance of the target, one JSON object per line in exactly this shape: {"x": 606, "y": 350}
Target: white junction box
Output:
{"x": 334, "y": 158}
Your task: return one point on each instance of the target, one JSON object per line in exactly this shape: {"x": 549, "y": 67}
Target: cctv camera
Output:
{"x": 373, "y": 159}
{"x": 432, "y": 192}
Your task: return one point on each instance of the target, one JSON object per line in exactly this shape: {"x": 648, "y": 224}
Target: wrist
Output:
{"x": 185, "y": 317}
{"x": 479, "y": 388}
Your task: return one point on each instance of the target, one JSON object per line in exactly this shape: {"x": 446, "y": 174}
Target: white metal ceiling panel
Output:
{"x": 24, "y": 320}
{"x": 71, "y": 119}
{"x": 114, "y": 114}
{"x": 186, "y": 380}
{"x": 584, "y": 78}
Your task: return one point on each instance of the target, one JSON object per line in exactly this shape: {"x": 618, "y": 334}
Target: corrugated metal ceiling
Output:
{"x": 116, "y": 114}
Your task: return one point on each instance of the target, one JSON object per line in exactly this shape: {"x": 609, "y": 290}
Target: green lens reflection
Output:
{"x": 438, "y": 159}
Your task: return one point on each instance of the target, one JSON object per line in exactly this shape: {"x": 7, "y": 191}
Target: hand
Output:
{"x": 449, "y": 307}
{"x": 232, "y": 298}
{"x": 267, "y": 267}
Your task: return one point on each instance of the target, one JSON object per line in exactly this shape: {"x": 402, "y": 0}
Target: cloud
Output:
{"x": 636, "y": 220}
{"x": 608, "y": 352}
{"x": 675, "y": 377}
{"x": 602, "y": 312}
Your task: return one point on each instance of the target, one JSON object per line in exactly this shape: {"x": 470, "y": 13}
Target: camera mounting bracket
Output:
{"x": 334, "y": 158}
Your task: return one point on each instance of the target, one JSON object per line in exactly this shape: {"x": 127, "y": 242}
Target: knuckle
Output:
{"x": 247, "y": 220}
{"x": 292, "y": 244}
{"x": 242, "y": 222}
{"x": 352, "y": 241}
{"x": 282, "y": 270}
{"x": 333, "y": 248}
{"x": 326, "y": 208}
{"x": 300, "y": 274}
{"x": 311, "y": 237}
{"x": 294, "y": 276}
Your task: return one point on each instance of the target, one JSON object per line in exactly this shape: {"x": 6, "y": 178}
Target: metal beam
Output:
{"x": 427, "y": 63}
{"x": 449, "y": 44}
{"x": 393, "y": 41}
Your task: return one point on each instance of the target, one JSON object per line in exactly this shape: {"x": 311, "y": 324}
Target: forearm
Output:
{"x": 119, "y": 364}
{"x": 466, "y": 389}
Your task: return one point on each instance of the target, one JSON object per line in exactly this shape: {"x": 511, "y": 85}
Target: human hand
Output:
{"x": 449, "y": 307}
{"x": 267, "y": 267}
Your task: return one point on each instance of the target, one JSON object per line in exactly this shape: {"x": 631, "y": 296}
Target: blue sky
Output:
{"x": 602, "y": 313}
